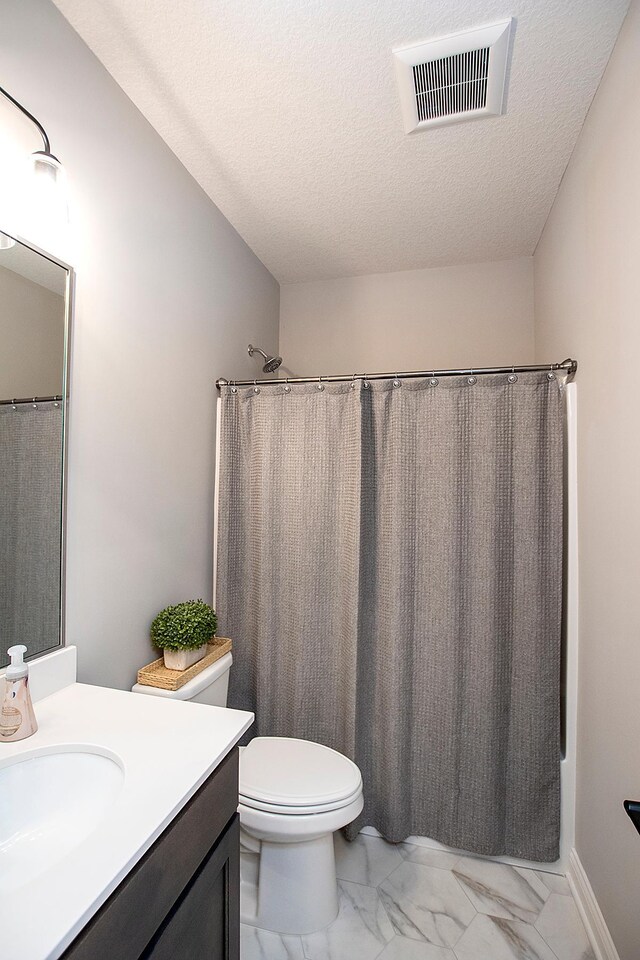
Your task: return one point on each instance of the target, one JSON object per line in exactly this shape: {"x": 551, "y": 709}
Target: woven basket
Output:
{"x": 157, "y": 675}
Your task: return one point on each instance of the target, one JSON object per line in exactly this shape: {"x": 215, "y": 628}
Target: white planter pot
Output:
{"x": 183, "y": 659}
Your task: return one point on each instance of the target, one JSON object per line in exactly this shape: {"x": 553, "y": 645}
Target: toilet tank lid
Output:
{"x": 289, "y": 772}
{"x": 191, "y": 689}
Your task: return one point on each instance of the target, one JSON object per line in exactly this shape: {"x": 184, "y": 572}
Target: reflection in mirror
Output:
{"x": 34, "y": 311}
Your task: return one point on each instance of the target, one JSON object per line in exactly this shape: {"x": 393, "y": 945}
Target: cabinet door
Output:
{"x": 204, "y": 924}
{"x": 132, "y": 916}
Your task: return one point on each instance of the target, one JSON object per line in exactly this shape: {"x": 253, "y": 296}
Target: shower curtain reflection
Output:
{"x": 30, "y": 525}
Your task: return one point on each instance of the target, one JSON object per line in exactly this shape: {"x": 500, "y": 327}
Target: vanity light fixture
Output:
{"x": 49, "y": 175}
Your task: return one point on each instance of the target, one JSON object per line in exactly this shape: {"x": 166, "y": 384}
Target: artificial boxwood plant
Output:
{"x": 184, "y": 626}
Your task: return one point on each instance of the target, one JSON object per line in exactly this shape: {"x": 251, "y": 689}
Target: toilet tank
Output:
{"x": 210, "y": 686}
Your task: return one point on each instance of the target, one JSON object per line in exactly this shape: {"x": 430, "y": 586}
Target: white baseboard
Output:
{"x": 597, "y": 930}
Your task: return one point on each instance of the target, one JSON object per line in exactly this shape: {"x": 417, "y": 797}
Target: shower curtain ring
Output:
{"x": 513, "y": 377}
{"x": 353, "y": 381}
{"x": 471, "y": 380}
{"x": 320, "y": 384}
{"x": 551, "y": 375}
{"x": 396, "y": 382}
{"x": 287, "y": 388}
{"x": 256, "y": 388}
{"x": 433, "y": 382}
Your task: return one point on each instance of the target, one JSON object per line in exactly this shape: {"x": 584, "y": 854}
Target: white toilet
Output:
{"x": 293, "y": 795}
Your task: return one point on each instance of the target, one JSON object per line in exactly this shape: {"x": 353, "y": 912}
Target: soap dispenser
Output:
{"x": 17, "y": 719}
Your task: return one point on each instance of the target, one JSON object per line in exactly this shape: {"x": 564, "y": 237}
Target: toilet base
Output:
{"x": 288, "y": 887}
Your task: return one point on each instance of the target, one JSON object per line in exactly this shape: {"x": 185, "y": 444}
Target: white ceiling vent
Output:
{"x": 460, "y": 77}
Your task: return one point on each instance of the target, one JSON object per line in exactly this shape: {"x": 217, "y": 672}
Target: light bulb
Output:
{"x": 47, "y": 191}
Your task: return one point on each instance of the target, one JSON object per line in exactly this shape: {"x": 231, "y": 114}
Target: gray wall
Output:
{"x": 31, "y": 338}
{"x": 587, "y": 292}
{"x": 473, "y": 314}
{"x": 168, "y": 296}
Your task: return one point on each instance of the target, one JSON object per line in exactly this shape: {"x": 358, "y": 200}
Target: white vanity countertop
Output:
{"x": 168, "y": 749}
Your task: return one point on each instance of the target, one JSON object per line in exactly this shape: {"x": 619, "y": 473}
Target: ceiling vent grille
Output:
{"x": 461, "y": 77}
{"x": 451, "y": 85}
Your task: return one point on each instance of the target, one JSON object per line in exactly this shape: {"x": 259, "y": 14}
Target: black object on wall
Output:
{"x": 633, "y": 809}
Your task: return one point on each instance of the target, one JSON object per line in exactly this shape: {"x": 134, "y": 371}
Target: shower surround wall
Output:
{"x": 587, "y": 290}
{"x": 474, "y": 313}
{"x": 167, "y": 297}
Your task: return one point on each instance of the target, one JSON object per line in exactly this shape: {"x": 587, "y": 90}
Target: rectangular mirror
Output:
{"x": 35, "y": 292}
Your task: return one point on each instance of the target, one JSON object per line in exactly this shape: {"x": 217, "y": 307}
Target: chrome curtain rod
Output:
{"x": 14, "y": 403}
{"x": 569, "y": 365}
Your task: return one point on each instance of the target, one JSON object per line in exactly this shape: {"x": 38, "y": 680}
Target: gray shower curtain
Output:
{"x": 30, "y": 525}
{"x": 390, "y": 569}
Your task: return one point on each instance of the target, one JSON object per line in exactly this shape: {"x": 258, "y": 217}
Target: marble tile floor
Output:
{"x": 404, "y": 902}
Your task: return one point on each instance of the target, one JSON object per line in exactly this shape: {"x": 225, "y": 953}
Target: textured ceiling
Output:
{"x": 287, "y": 113}
{"x": 39, "y": 269}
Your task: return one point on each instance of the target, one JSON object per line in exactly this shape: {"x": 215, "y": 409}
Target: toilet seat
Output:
{"x": 299, "y": 810}
{"x": 286, "y": 776}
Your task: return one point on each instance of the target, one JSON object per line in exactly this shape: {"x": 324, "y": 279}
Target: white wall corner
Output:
{"x": 597, "y": 930}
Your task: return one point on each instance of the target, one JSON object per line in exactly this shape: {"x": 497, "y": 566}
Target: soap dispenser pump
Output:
{"x": 17, "y": 719}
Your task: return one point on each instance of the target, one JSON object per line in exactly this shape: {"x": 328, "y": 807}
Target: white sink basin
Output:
{"x": 49, "y": 803}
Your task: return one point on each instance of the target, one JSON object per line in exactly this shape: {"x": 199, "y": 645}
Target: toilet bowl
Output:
{"x": 293, "y": 795}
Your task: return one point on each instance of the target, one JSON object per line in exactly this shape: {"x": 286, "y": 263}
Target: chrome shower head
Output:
{"x": 271, "y": 363}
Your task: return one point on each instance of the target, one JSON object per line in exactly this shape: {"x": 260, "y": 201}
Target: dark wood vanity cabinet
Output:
{"x": 181, "y": 900}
